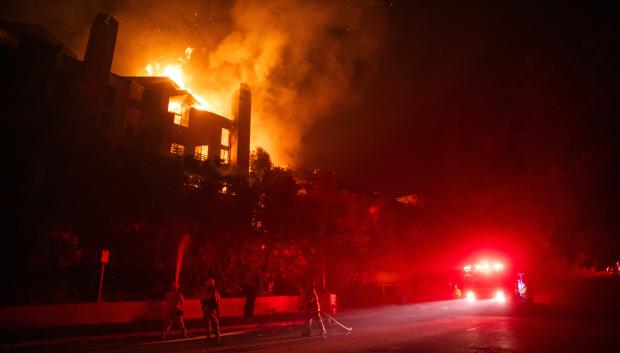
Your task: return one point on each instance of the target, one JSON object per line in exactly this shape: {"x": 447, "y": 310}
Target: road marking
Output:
{"x": 473, "y": 328}
{"x": 194, "y": 338}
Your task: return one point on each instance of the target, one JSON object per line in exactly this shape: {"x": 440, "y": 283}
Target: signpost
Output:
{"x": 105, "y": 257}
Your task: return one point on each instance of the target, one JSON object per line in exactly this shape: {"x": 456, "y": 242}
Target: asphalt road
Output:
{"x": 455, "y": 326}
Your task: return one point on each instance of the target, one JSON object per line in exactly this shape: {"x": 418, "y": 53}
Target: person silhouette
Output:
{"x": 174, "y": 311}
{"x": 211, "y": 309}
{"x": 312, "y": 308}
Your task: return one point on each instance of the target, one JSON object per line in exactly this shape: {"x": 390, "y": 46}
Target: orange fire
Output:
{"x": 175, "y": 73}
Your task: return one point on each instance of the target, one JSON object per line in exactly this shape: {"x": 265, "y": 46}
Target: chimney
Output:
{"x": 240, "y": 137}
{"x": 97, "y": 64}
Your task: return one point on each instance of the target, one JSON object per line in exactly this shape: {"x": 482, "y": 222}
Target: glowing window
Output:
{"x": 224, "y": 156}
{"x": 201, "y": 153}
{"x": 225, "y": 137}
{"x": 177, "y": 149}
{"x": 177, "y": 106}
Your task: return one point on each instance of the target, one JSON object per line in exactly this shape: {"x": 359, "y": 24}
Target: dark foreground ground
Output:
{"x": 453, "y": 326}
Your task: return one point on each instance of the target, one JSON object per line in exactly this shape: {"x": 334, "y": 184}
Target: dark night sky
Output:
{"x": 467, "y": 67}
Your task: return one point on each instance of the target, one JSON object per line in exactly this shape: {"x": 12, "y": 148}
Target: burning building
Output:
{"x": 159, "y": 113}
{"x": 150, "y": 110}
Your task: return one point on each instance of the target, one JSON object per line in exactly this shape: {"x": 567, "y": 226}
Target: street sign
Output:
{"x": 105, "y": 257}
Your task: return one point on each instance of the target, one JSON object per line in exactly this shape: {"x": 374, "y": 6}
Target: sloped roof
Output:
{"x": 153, "y": 80}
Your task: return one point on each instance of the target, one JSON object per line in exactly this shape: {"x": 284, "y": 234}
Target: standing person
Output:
{"x": 174, "y": 311}
{"x": 457, "y": 292}
{"x": 313, "y": 310}
{"x": 211, "y": 309}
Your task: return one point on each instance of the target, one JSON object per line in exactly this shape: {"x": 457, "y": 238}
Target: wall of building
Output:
{"x": 21, "y": 317}
{"x": 205, "y": 128}
{"x": 122, "y": 107}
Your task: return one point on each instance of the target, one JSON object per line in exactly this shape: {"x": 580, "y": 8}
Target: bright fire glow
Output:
{"x": 500, "y": 296}
{"x": 175, "y": 73}
{"x": 470, "y": 296}
{"x": 175, "y": 104}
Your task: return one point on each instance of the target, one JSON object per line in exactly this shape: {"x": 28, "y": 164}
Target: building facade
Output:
{"x": 153, "y": 111}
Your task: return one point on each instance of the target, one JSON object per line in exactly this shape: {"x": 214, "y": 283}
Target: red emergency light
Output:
{"x": 470, "y": 296}
{"x": 484, "y": 267}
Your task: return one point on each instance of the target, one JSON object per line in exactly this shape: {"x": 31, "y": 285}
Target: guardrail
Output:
{"x": 32, "y": 316}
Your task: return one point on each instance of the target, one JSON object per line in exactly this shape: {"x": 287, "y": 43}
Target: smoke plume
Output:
{"x": 302, "y": 59}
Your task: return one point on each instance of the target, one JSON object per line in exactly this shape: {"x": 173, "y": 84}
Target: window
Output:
{"x": 177, "y": 149}
{"x": 225, "y": 137}
{"x": 178, "y": 119}
{"x": 224, "y": 156}
{"x": 201, "y": 153}
{"x": 177, "y": 106}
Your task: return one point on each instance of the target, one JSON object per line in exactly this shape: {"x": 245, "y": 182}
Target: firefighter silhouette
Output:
{"x": 312, "y": 309}
{"x": 211, "y": 309}
{"x": 457, "y": 292}
{"x": 174, "y": 311}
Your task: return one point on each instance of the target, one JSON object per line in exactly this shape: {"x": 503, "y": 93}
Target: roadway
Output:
{"x": 451, "y": 326}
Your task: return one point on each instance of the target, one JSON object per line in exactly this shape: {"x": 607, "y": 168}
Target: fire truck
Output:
{"x": 493, "y": 280}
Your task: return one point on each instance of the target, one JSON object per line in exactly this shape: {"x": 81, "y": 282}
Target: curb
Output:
{"x": 226, "y": 331}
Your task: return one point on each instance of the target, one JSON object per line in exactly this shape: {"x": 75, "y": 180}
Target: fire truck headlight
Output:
{"x": 500, "y": 296}
{"x": 470, "y": 296}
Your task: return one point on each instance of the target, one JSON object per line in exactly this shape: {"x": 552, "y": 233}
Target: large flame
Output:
{"x": 175, "y": 73}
